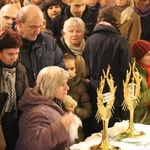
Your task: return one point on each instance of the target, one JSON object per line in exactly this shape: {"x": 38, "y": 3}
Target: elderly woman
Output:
{"x": 141, "y": 52}
{"x": 13, "y": 81}
{"x": 73, "y": 42}
{"x": 44, "y": 125}
{"x": 130, "y": 25}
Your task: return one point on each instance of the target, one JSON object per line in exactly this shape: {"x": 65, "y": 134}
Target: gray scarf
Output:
{"x": 77, "y": 51}
{"x": 8, "y": 86}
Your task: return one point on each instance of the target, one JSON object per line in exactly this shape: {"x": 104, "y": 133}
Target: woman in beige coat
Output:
{"x": 130, "y": 25}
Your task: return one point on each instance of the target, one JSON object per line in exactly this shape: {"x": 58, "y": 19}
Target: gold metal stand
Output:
{"x": 131, "y": 93}
{"x": 131, "y": 132}
{"x": 105, "y": 109}
{"x": 104, "y": 145}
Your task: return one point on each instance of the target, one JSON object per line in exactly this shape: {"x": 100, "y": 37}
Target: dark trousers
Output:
{"x": 10, "y": 129}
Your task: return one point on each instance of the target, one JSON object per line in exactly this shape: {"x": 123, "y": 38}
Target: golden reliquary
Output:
{"x": 131, "y": 93}
{"x": 105, "y": 110}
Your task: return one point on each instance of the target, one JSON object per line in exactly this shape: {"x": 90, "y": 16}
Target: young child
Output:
{"x": 78, "y": 92}
{"x": 141, "y": 52}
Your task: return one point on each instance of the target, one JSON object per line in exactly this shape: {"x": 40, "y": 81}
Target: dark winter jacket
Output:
{"x": 145, "y": 23}
{"x": 78, "y": 91}
{"x": 10, "y": 119}
{"x": 95, "y": 10}
{"x": 38, "y": 54}
{"x": 40, "y": 127}
{"x": 107, "y": 47}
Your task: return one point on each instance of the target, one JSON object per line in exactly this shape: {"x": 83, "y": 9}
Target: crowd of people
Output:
{"x": 53, "y": 54}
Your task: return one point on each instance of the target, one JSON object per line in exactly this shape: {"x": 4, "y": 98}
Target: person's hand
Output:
{"x": 67, "y": 119}
{"x": 69, "y": 104}
{"x": 71, "y": 123}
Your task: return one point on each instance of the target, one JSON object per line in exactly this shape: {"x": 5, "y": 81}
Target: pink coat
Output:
{"x": 40, "y": 127}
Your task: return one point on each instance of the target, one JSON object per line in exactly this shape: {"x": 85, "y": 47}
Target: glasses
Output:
{"x": 33, "y": 26}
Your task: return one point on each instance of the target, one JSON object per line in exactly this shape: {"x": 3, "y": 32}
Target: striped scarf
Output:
{"x": 8, "y": 86}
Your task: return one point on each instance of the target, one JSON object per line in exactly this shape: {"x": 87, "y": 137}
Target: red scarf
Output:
{"x": 148, "y": 75}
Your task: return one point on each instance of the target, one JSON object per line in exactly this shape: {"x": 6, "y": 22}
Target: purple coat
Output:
{"x": 40, "y": 127}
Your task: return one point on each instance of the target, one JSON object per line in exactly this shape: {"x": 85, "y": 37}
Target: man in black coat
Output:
{"x": 106, "y": 47}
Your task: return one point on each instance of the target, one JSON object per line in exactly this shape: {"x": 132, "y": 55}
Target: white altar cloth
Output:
{"x": 140, "y": 143}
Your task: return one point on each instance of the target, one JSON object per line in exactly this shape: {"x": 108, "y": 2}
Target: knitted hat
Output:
{"x": 140, "y": 48}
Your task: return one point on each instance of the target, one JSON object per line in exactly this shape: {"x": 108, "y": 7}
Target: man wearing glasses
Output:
{"x": 39, "y": 49}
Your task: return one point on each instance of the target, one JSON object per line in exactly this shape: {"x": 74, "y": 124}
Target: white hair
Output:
{"x": 74, "y": 21}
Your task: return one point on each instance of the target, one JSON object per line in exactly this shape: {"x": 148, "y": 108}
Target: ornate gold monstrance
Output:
{"x": 105, "y": 109}
{"x": 131, "y": 93}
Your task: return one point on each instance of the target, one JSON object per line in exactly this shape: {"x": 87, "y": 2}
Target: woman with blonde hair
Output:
{"x": 44, "y": 125}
